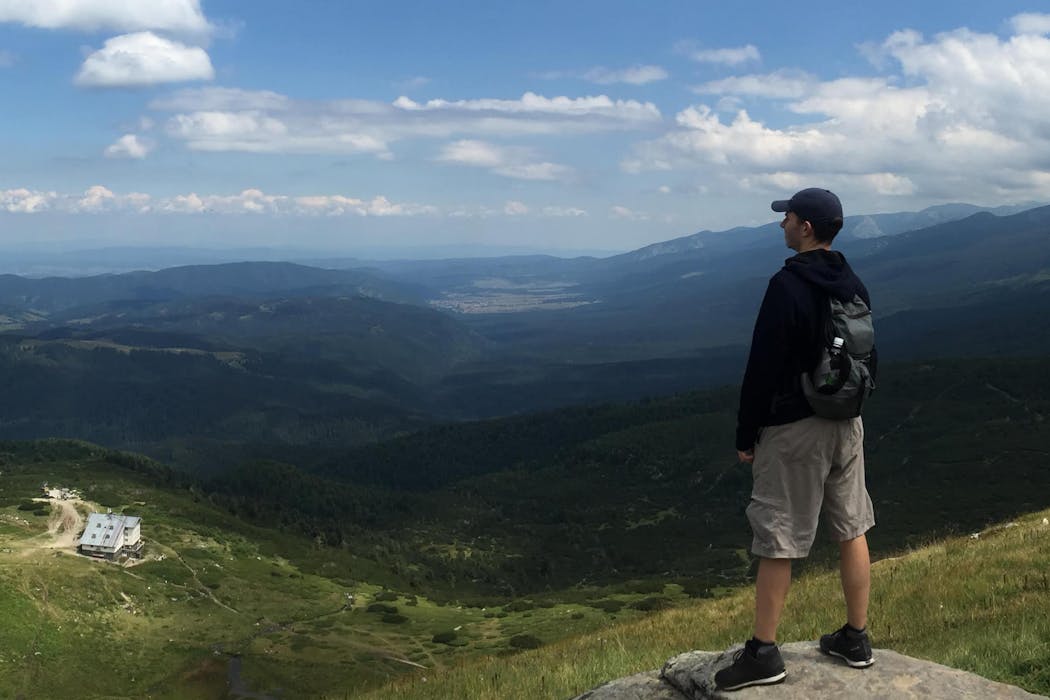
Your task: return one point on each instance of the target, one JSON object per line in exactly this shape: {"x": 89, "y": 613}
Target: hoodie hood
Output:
{"x": 828, "y": 270}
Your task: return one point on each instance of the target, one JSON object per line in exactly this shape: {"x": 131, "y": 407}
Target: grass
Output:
{"x": 216, "y": 589}
{"x": 977, "y": 604}
{"x": 227, "y": 591}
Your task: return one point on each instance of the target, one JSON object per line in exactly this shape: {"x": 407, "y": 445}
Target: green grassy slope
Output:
{"x": 974, "y": 603}
{"x": 214, "y": 597}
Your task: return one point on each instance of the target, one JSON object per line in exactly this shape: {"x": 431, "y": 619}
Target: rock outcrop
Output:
{"x": 811, "y": 675}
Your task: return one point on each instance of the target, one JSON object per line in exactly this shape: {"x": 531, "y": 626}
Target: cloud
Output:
{"x": 623, "y": 112}
{"x": 515, "y": 208}
{"x": 23, "y": 201}
{"x": 784, "y": 84}
{"x": 178, "y": 16}
{"x": 956, "y": 116}
{"x": 727, "y": 57}
{"x": 414, "y": 82}
{"x": 622, "y": 212}
{"x": 572, "y": 212}
{"x": 129, "y": 146}
{"x": 141, "y": 59}
{"x": 224, "y": 119}
{"x": 99, "y": 200}
{"x": 221, "y": 99}
{"x": 512, "y": 162}
{"x": 635, "y": 75}
{"x": 1030, "y": 23}
{"x": 476, "y": 153}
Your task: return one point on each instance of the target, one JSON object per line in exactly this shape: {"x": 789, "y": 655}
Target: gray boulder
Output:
{"x": 811, "y": 674}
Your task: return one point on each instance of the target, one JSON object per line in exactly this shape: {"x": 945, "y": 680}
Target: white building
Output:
{"x": 110, "y": 535}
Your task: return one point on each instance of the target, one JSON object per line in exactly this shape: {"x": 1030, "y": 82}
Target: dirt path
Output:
{"x": 65, "y": 525}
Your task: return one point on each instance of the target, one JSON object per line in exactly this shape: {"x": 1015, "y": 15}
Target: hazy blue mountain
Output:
{"x": 244, "y": 279}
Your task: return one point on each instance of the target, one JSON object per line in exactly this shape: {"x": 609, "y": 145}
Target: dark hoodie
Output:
{"x": 788, "y": 338}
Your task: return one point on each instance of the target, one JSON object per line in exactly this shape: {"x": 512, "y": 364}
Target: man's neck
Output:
{"x": 807, "y": 246}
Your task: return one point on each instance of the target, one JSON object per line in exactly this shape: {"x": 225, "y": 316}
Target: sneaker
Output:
{"x": 849, "y": 645}
{"x": 761, "y": 667}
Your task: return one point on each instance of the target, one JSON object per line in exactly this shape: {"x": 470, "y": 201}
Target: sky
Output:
{"x": 404, "y": 129}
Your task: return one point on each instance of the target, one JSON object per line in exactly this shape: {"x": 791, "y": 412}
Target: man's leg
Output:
{"x": 771, "y": 589}
{"x": 855, "y": 571}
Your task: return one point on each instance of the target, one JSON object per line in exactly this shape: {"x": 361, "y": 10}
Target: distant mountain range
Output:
{"x": 242, "y": 352}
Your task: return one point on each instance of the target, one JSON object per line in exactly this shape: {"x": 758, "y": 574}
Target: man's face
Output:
{"x": 792, "y": 226}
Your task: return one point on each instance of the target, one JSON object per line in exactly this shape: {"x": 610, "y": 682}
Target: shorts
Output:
{"x": 798, "y": 468}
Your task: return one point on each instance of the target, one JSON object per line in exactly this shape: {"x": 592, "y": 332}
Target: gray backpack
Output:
{"x": 842, "y": 380}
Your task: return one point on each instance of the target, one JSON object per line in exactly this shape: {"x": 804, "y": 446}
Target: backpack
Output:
{"x": 839, "y": 384}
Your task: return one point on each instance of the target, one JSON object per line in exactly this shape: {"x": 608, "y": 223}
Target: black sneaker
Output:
{"x": 849, "y": 645}
{"x": 761, "y": 667}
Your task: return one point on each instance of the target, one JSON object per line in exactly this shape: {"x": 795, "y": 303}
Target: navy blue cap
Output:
{"x": 815, "y": 205}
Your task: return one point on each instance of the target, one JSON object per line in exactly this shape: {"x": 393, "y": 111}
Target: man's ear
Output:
{"x": 807, "y": 229}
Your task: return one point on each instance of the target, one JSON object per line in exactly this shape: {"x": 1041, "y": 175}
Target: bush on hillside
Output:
{"x": 651, "y": 603}
{"x": 382, "y": 608}
{"x": 394, "y": 619}
{"x": 519, "y": 606}
{"x": 386, "y": 596}
{"x": 608, "y": 605}
{"x": 446, "y": 637}
{"x": 525, "y": 641}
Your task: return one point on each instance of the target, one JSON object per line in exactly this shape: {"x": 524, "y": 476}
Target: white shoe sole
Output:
{"x": 764, "y": 681}
{"x": 851, "y": 662}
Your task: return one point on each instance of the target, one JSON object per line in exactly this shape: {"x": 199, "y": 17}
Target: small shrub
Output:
{"x": 519, "y": 606}
{"x": 394, "y": 619}
{"x": 446, "y": 637}
{"x": 525, "y": 641}
{"x": 608, "y": 605}
{"x": 652, "y": 603}
{"x": 382, "y": 608}
{"x": 388, "y": 596}
{"x": 647, "y": 586}
{"x": 577, "y": 616}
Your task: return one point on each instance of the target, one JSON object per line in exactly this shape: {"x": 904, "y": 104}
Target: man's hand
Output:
{"x": 746, "y": 456}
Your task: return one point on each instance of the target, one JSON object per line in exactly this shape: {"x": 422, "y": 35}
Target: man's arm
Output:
{"x": 765, "y": 364}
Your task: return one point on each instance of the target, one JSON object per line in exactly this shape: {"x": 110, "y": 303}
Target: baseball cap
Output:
{"x": 813, "y": 204}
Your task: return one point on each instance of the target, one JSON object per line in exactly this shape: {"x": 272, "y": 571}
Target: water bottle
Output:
{"x": 835, "y": 360}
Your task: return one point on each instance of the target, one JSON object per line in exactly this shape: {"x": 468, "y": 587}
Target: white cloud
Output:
{"x": 99, "y": 200}
{"x": 508, "y": 161}
{"x": 477, "y": 153}
{"x": 179, "y": 16}
{"x": 515, "y": 208}
{"x": 622, "y": 212}
{"x": 728, "y": 56}
{"x": 957, "y": 116}
{"x": 1030, "y": 23}
{"x": 635, "y": 75}
{"x": 129, "y": 146}
{"x": 785, "y": 84}
{"x": 571, "y": 212}
{"x": 23, "y": 201}
{"x": 143, "y": 58}
{"x": 600, "y": 106}
{"x": 414, "y": 82}
{"x": 223, "y": 119}
{"x": 219, "y": 99}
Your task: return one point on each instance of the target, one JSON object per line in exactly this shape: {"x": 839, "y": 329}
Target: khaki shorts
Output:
{"x": 797, "y": 468}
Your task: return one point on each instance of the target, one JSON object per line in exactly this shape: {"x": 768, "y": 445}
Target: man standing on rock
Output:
{"x": 800, "y": 461}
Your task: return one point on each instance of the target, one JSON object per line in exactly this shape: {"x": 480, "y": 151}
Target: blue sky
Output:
{"x": 403, "y": 127}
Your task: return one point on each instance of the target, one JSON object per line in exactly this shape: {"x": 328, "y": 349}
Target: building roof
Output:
{"x": 107, "y": 530}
